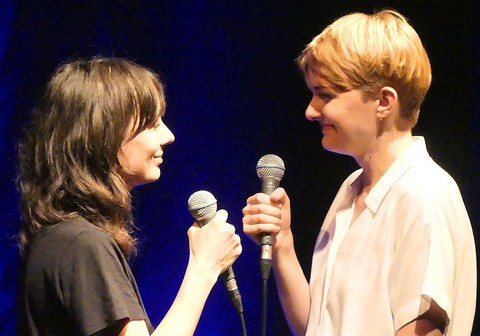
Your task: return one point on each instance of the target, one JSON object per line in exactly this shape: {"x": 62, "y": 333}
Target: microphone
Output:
{"x": 270, "y": 169}
{"x": 202, "y": 205}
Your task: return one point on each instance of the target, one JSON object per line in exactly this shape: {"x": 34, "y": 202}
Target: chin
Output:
{"x": 334, "y": 149}
{"x": 154, "y": 176}
{"x": 329, "y": 147}
{"x": 146, "y": 179}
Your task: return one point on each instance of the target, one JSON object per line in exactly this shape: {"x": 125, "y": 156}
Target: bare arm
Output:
{"x": 213, "y": 248}
{"x": 293, "y": 289}
{"x": 271, "y": 214}
{"x": 432, "y": 323}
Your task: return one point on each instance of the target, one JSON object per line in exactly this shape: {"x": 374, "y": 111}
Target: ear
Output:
{"x": 388, "y": 102}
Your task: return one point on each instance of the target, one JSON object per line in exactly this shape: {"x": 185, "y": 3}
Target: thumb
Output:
{"x": 279, "y": 196}
{"x": 221, "y": 216}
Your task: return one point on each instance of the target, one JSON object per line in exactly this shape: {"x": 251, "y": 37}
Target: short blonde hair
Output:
{"x": 367, "y": 52}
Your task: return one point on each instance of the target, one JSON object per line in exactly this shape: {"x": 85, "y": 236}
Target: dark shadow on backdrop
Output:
{"x": 233, "y": 95}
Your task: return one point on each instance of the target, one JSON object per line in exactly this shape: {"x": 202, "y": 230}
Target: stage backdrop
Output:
{"x": 234, "y": 94}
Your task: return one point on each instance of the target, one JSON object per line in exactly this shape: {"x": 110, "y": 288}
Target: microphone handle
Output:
{"x": 227, "y": 276}
{"x": 269, "y": 184}
{"x": 230, "y": 282}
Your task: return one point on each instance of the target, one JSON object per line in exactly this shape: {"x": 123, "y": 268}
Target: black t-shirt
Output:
{"x": 74, "y": 280}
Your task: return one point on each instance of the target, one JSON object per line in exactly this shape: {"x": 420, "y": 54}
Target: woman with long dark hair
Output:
{"x": 96, "y": 134}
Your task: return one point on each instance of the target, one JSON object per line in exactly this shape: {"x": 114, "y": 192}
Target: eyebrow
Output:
{"x": 320, "y": 87}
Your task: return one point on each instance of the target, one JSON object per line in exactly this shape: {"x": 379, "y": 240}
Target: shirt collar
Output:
{"x": 412, "y": 154}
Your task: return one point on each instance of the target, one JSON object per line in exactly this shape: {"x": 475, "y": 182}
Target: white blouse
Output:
{"x": 413, "y": 243}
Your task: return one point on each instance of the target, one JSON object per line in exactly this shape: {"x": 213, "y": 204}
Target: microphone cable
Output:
{"x": 242, "y": 321}
{"x": 264, "y": 306}
{"x": 265, "y": 267}
{"x": 270, "y": 170}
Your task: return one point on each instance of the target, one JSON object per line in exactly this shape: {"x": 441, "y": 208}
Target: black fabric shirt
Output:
{"x": 74, "y": 280}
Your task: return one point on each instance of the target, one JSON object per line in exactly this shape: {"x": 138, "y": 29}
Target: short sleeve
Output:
{"x": 423, "y": 264}
{"x": 97, "y": 285}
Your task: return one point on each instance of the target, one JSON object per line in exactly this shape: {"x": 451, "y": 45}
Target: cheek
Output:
{"x": 140, "y": 148}
{"x": 143, "y": 146}
{"x": 131, "y": 156}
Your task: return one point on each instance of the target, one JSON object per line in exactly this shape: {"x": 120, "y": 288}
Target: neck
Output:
{"x": 377, "y": 161}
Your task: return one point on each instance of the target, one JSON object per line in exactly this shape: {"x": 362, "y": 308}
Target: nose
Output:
{"x": 314, "y": 109}
{"x": 167, "y": 135}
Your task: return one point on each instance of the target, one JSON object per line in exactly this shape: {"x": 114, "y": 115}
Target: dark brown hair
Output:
{"x": 68, "y": 165}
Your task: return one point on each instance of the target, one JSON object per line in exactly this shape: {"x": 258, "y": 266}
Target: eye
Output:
{"x": 325, "y": 96}
{"x": 322, "y": 92}
{"x": 157, "y": 124}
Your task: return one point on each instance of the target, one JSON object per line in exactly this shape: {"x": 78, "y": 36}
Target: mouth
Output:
{"x": 158, "y": 160}
{"x": 326, "y": 128}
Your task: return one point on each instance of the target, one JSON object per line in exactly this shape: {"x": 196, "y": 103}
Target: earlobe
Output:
{"x": 388, "y": 102}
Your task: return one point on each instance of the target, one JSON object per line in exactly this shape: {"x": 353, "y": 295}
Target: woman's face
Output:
{"x": 347, "y": 119}
{"x": 141, "y": 156}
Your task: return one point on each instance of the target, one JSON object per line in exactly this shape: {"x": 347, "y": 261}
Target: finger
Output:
{"x": 221, "y": 216}
{"x": 261, "y": 213}
{"x": 236, "y": 248}
{"x": 279, "y": 196}
{"x": 196, "y": 224}
{"x": 261, "y": 219}
{"x": 229, "y": 228}
{"x": 260, "y": 228}
{"x": 258, "y": 198}
{"x": 237, "y": 245}
{"x": 193, "y": 229}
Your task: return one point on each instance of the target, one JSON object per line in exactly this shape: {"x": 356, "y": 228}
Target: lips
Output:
{"x": 158, "y": 160}
{"x": 326, "y": 128}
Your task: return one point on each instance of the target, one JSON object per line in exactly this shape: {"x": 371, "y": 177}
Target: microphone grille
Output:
{"x": 202, "y": 203}
{"x": 270, "y": 165}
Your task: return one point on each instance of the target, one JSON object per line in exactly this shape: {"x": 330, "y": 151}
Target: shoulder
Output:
{"x": 77, "y": 230}
{"x": 66, "y": 239}
{"x": 88, "y": 253}
{"x": 426, "y": 181}
{"x": 81, "y": 235}
{"x": 415, "y": 174}
{"x": 427, "y": 194}
{"x": 74, "y": 226}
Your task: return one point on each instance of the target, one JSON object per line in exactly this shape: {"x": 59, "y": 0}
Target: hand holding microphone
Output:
{"x": 202, "y": 205}
{"x": 261, "y": 211}
{"x": 270, "y": 170}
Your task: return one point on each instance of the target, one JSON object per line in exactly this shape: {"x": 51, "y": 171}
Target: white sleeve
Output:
{"x": 423, "y": 264}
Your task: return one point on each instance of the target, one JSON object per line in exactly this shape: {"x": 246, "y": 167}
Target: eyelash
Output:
{"x": 322, "y": 94}
{"x": 325, "y": 96}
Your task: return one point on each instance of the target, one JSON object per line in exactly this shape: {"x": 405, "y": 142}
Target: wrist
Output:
{"x": 284, "y": 247}
{"x": 204, "y": 276}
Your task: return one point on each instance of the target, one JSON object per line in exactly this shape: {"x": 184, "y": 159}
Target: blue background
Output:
{"x": 233, "y": 95}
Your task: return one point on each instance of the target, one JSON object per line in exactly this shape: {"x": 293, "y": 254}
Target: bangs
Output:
{"x": 321, "y": 58}
{"x": 148, "y": 100}
{"x": 367, "y": 52}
